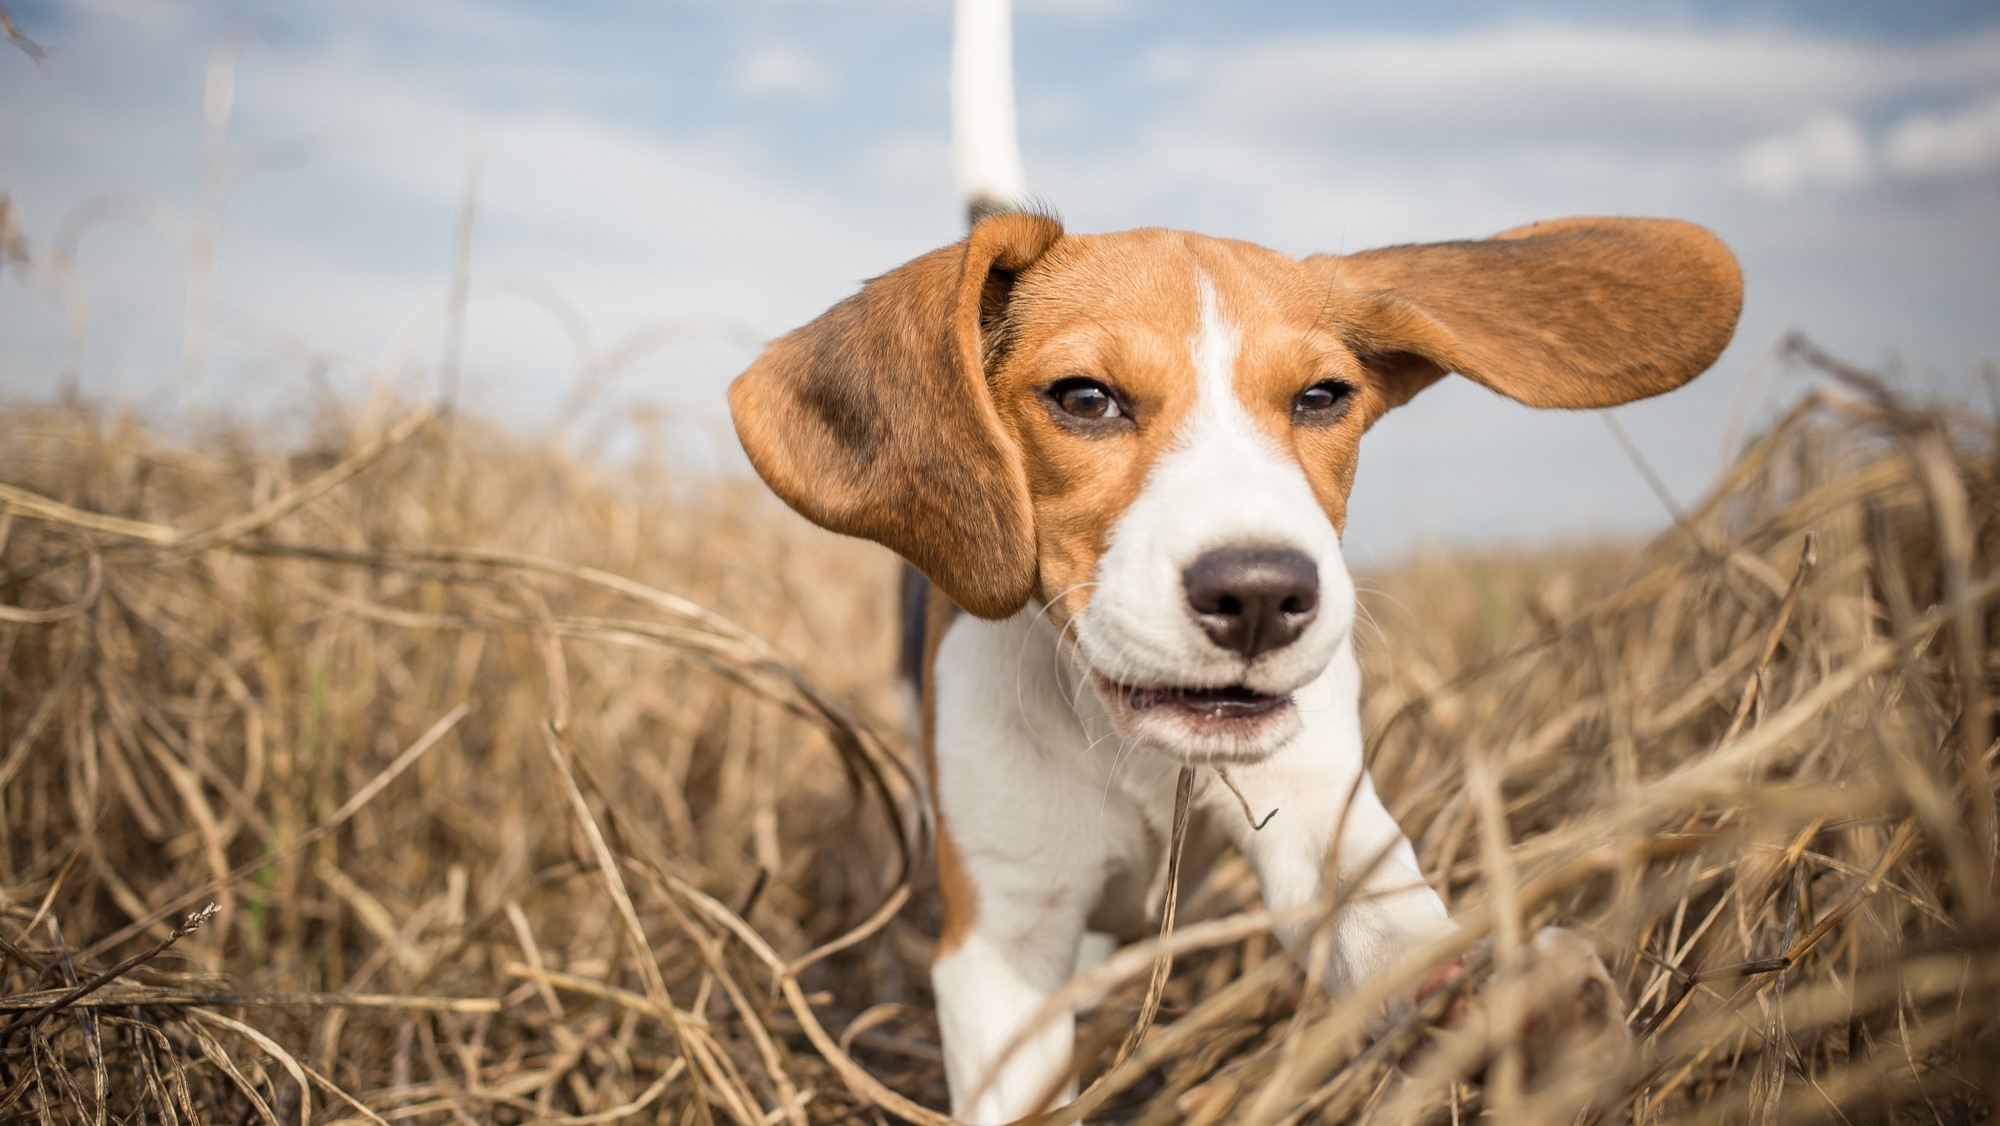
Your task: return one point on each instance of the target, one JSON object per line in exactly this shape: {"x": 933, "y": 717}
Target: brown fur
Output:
{"x": 959, "y": 901}
{"x": 874, "y": 419}
{"x": 1572, "y": 313}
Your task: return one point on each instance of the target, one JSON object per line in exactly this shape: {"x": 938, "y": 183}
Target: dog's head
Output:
{"x": 1152, "y": 434}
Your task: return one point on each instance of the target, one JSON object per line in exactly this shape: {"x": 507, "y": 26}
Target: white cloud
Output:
{"x": 1828, "y": 149}
{"x": 1552, "y": 78}
{"x": 1941, "y": 144}
{"x": 1383, "y": 134}
{"x": 1078, "y": 9}
{"x": 783, "y": 69}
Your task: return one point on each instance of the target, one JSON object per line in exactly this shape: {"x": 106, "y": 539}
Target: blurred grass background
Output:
{"x": 527, "y": 786}
{"x": 533, "y": 790}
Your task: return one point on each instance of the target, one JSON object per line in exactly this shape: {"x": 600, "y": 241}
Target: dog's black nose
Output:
{"x": 1252, "y": 600}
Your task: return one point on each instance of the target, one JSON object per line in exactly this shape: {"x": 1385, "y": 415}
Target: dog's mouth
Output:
{"x": 1236, "y": 703}
{"x": 1234, "y": 723}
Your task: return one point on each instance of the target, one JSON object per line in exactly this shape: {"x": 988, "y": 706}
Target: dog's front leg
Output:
{"x": 1022, "y": 833}
{"x": 989, "y": 987}
{"x": 1331, "y": 836}
{"x": 1328, "y": 835}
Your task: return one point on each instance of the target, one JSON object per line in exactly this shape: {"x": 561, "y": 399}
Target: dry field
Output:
{"x": 530, "y": 791}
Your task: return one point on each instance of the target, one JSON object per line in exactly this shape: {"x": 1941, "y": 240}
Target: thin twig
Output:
{"x": 1163, "y": 964}
{"x": 1243, "y": 803}
{"x": 1808, "y": 559}
{"x": 188, "y": 926}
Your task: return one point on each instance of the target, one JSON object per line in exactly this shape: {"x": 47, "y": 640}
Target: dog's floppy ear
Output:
{"x": 876, "y": 419}
{"x": 1588, "y": 312}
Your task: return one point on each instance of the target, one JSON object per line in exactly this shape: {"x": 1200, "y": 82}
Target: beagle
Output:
{"x": 1127, "y": 457}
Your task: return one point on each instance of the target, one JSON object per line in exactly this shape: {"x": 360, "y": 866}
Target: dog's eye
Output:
{"x": 1322, "y": 403}
{"x": 1085, "y": 399}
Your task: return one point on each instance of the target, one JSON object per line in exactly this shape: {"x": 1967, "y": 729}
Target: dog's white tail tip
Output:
{"x": 986, "y": 145}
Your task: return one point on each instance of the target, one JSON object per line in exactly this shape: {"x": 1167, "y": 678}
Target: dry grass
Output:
{"x": 527, "y": 791}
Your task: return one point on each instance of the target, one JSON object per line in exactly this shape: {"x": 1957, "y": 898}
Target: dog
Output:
{"x": 1122, "y": 462}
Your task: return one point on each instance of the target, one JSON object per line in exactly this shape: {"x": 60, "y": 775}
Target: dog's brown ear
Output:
{"x": 1571, "y": 313}
{"x": 876, "y": 419}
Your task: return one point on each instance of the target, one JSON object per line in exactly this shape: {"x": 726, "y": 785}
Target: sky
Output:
{"x": 662, "y": 185}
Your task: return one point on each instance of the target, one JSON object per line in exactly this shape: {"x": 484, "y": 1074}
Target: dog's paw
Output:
{"x": 1557, "y": 1000}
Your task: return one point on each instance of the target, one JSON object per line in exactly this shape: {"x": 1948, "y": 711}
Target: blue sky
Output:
{"x": 664, "y": 183}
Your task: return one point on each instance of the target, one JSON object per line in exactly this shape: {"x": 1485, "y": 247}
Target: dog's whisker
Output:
{"x": 1021, "y": 652}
